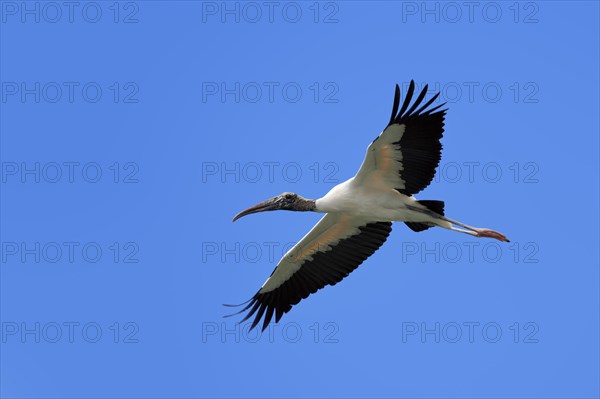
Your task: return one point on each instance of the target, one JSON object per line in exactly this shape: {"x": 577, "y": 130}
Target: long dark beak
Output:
{"x": 268, "y": 205}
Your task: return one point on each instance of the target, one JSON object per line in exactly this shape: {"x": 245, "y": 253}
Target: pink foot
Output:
{"x": 491, "y": 234}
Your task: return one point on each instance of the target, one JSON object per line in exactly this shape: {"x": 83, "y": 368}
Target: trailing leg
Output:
{"x": 435, "y": 209}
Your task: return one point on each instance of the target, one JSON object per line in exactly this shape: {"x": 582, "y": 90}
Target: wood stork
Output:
{"x": 359, "y": 212}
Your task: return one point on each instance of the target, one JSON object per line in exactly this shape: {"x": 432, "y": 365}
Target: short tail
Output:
{"x": 432, "y": 205}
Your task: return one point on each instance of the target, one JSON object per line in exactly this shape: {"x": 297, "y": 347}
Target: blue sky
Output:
{"x": 132, "y": 132}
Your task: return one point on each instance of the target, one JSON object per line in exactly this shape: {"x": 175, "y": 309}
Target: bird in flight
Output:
{"x": 359, "y": 212}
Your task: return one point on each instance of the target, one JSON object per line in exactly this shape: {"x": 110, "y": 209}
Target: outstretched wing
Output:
{"x": 334, "y": 247}
{"x": 405, "y": 155}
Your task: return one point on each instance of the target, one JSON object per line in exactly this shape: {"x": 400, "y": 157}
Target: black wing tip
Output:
{"x": 405, "y": 113}
{"x": 258, "y": 303}
{"x": 228, "y": 305}
{"x": 436, "y": 109}
{"x": 396, "y": 104}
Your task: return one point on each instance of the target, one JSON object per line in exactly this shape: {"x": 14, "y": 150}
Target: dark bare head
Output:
{"x": 286, "y": 201}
